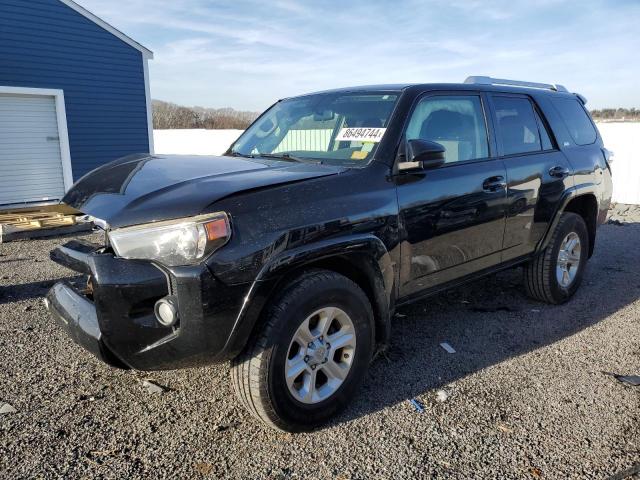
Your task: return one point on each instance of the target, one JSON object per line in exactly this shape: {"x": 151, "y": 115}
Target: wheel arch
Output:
{"x": 586, "y": 205}
{"x": 582, "y": 202}
{"x": 363, "y": 259}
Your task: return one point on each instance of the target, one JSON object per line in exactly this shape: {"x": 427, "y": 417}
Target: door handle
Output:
{"x": 559, "y": 172}
{"x": 494, "y": 184}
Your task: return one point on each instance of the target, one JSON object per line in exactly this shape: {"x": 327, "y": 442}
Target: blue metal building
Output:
{"x": 74, "y": 94}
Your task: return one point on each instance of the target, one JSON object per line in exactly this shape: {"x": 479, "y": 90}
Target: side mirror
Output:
{"x": 422, "y": 155}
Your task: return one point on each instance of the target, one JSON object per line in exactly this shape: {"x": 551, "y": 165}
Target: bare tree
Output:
{"x": 619, "y": 114}
{"x": 171, "y": 116}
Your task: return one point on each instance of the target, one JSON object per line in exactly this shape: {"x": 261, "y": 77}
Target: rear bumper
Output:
{"x": 114, "y": 317}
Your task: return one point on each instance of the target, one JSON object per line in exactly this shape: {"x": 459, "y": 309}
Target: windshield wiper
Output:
{"x": 238, "y": 154}
{"x": 287, "y": 157}
{"x": 281, "y": 156}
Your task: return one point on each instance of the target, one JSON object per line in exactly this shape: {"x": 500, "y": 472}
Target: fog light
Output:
{"x": 166, "y": 311}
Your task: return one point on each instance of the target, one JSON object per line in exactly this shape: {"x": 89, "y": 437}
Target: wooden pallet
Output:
{"x": 23, "y": 224}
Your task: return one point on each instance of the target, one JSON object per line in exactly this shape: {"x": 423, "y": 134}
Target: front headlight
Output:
{"x": 175, "y": 242}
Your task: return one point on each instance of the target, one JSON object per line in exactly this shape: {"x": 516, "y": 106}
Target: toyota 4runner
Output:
{"x": 289, "y": 254}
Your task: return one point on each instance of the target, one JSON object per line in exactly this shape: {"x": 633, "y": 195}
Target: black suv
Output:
{"x": 290, "y": 253}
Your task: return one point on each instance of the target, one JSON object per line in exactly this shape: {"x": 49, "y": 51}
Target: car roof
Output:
{"x": 426, "y": 87}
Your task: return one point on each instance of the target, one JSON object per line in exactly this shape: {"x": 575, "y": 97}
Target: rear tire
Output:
{"x": 555, "y": 275}
{"x": 315, "y": 309}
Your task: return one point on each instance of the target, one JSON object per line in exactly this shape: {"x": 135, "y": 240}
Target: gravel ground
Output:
{"x": 528, "y": 392}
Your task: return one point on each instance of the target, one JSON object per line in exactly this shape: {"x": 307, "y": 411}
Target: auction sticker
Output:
{"x": 361, "y": 134}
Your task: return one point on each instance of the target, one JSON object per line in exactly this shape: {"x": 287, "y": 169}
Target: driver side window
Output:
{"x": 456, "y": 122}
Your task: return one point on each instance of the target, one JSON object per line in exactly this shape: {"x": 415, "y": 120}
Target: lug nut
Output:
{"x": 346, "y": 355}
{"x": 313, "y": 367}
{"x": 306, "y": 358}
{"x": 310, "y": 344}
{"x": 321, "y": 338}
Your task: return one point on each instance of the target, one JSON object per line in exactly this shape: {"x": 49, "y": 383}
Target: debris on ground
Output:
{"x": 504, "y": 428}
{"x": 633, "y": 380}
{"x": 221, "y": 427}
{"x": 629, "y": 472}
{"x": 535, "y": 472}
{"x": 442, "y": 396}
{"x": 153, "y": 387}
{"x": 417, "y": 405}
{"x": 103, "y": 453}
{"x": 448, "y": 347}
{"x": 6, "y": 408}
{"x": 204, "y": 468}
{"x": 617, "y": 223}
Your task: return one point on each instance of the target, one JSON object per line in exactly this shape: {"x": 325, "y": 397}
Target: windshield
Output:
{"x": 336, "y": 128}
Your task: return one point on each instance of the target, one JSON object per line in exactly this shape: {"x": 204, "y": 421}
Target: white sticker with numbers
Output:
{"x": 361, "y": 134}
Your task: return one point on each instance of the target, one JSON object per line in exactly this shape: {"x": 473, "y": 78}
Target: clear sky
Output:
{"x": 247, "y": 54}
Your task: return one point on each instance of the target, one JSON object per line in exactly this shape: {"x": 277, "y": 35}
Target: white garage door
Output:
{"x": 30, "y": 156}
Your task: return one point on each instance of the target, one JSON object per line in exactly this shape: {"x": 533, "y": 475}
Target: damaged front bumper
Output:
{"x": 77, "y": 316}
{"x": 110, "y": 310}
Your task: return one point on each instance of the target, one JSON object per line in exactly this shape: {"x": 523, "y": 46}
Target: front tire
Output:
{"x": 555, "y": 275}
{"x": 310, "y": 355}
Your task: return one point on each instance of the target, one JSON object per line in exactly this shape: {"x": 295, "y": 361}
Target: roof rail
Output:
{"x": 514, "y": 83}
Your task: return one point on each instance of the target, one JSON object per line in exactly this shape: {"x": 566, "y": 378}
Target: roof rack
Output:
{"x": 514, "y": 83}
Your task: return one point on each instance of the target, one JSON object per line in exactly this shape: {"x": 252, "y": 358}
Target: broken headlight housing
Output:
{"x": 184, "y": 241}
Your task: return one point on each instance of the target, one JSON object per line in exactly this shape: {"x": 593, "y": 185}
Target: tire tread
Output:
{"x": 249, "y": 372}
{"x": 538, "y": 272}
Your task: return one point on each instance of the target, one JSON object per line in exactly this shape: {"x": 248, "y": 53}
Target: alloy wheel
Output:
{"x": 320, "y": 355}
{"x": 568, "y": 260}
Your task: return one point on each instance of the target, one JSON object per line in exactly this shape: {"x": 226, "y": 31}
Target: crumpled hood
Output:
{"x": 143, "y": 188}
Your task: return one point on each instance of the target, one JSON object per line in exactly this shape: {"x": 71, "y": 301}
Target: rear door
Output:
{"x": 453, "y": 216}
{"x": 584, "y": 148}
{"x": 537, "y": 171}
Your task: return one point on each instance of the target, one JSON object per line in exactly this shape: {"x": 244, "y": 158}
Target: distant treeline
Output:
{"x": 171, "y": 116}
{"x": 620, "y": 114}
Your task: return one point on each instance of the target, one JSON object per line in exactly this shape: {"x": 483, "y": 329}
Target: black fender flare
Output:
{"x": 570, "y": 194}
{"x": 367, "y": 252}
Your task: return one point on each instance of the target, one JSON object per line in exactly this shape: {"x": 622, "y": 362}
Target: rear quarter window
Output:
{"x": 576, "y": 119}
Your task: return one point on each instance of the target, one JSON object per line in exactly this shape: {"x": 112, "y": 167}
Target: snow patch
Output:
{"x": 622, "y": 140}
{"x": 194, "y": 142}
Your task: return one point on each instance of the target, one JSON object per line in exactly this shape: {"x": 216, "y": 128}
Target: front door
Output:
{"x": 453, "y": 216}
